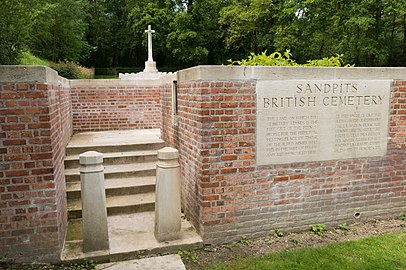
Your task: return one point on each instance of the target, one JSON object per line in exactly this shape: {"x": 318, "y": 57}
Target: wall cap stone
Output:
{"x": 168, "y": 78}
{"x": 30, "y": 74}
{"x": 246, "y": 73}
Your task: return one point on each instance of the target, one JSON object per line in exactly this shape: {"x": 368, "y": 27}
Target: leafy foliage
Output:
{"x": 284, "y": 59}
{"x": 188, "y": 255}
{"x": 195, "y": 36}
{"x": 71, "y": 70}
{"x": 14, "y": 29}
{"x": 58, "y": 30}
{"x": 344, "y": 227}
{"x": 318, "y": 229}
{"x": 247, "y": 25}
{"x": 6, "y": 263}
{"x": 110, "y": 33}
{"x": 85, "y": 265}
{"x": 278, "y": 233}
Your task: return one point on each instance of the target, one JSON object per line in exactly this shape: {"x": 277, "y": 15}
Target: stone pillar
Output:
{"x": 167, "y": 200}
{"x": 93, "y": 196}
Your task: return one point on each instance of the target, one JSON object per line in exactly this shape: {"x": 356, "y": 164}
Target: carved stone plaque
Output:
{"x": 316, "y": 120}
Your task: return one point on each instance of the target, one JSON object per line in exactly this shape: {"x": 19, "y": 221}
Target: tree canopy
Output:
{"x": 110, "y": 33}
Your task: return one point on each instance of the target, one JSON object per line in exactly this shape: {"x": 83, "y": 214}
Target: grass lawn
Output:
{"x": 383, "y": 252}
{"x": 29, "y": 59}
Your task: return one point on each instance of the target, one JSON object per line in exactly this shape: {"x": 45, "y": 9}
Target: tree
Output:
{"x": 110, "y": 32}
{"x": 14, "y": 29}
{"x": 159, "y": 14}
{"x": 285, "y": 29}
{"x": 195, "y": 37}
{"x": 58, "y": 30}
{"x": 247, "y": 24}
{"x": 99, "y": 33}
{"x": 367, "y": 32}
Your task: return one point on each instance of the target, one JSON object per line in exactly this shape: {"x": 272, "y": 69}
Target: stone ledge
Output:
{"x": 246, "y": 73}
{"x": 30, "y": 74}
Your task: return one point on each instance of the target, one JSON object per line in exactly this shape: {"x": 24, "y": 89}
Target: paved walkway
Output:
{"x": 113, "y": 137}
{"x": 168, "y": 262}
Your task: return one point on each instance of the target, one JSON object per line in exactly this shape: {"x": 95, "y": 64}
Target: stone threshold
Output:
{"x": 131, "y": 237}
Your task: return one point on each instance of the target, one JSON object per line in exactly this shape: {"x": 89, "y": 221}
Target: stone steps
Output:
{"x": 117, "y": 186}
{"x": 117, "y": 171}
{"x": 129, "y": 187}
{"x": 118, "y": 204}
{"x": 114, "y": 158}
{"x": 77, "y": 149}
{"x": 129, "y": 160}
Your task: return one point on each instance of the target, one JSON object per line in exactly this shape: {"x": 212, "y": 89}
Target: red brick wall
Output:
{"x": 184, "y": 137}
{"x": 227, "y": 196}
{"x": 38, "y": 113}
{"x": 168, "y": 129}
{"x": 114, "y": 105}
{"x": 60, "y": 112}
{"x": 35, "y": 127}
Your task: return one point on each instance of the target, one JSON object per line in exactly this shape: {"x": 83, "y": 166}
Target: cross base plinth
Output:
{"x": 150, "y": 67}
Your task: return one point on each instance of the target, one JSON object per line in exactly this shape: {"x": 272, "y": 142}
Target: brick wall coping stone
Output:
{"x": 46, "y": 75}
{"x": 221, "y": 73}
{"x": 121, "y": 83}
{"x": 30, "y": 74}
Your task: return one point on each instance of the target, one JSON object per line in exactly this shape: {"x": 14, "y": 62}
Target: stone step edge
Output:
{"x": 119, "y": 154}
{"x": 118, "y": 210}
{"x": 148, "y": 199}
{"x": 118, "y": 168}
{"x": 108, "y": 183}
{"x": 112, "y": 147}
{"x": 106, "y": 256}
{"x": 122, "y": 143}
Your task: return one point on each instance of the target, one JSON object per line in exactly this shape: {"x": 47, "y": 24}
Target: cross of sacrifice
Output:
{"x": 149, "y": 31}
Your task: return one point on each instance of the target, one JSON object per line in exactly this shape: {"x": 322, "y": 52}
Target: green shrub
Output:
{"x": 285, "y": 59}
{"x": 71, "y": 70}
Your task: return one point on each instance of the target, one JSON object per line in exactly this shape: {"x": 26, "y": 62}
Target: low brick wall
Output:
{"x": 224, "y": 192}
{"x": 115, "y": 105}
{"x": 39, "y": 111}
{"x": 35, "y": 117}
{"x": 227, "y": 196}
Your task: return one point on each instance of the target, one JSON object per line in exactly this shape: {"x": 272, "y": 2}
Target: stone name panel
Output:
{"x": 301, "y": 121}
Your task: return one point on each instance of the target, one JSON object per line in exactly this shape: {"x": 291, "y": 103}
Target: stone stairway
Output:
{"x": 129, "y": 159}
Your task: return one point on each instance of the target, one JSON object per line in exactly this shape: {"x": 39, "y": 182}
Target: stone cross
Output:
{"x": 149, "y": 31}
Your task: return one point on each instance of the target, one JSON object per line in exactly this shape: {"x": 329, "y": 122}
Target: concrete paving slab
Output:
{"x": 168, "y": 262}
{"x": 113, "y": 137}
{"x": 130, "y": 236}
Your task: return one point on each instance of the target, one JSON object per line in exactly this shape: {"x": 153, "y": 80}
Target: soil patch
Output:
{"x": 210, "y": 255}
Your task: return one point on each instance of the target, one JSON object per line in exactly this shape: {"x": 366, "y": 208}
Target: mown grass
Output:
{"x": 383, "y": 252}
{"x": 28, "y": 59}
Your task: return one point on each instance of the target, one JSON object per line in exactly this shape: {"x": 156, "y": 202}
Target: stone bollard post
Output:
{"x": 167, "y": 200}
{"x": 93, "y": 196}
